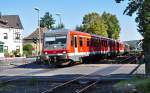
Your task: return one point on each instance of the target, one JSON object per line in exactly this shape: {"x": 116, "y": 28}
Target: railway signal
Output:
{"x": 35, "y": 40}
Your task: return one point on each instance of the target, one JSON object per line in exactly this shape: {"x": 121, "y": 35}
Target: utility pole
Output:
{"x": 38, "y": 11}
{"x": 59, "y": 15}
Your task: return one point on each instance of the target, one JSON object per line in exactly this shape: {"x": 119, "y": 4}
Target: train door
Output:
{"x": 75, "y": 45}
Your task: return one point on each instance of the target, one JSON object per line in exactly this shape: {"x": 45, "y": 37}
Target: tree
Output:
{"x": 112, "y": 22}
{"x": 142, "y": 7}
{"x": 47, "y": 21}
{"x": 59, "y": 26}
{"x": 93, "y": 23}
{"x": 27, "y": 49}
{"x": 79, "y": 28}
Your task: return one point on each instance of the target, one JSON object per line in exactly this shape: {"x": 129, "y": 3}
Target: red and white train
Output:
{"x": 66, "y": 46}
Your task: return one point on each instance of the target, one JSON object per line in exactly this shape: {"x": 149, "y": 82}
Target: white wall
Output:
{"x": 11, "y": 42}
{"x": 1, "y": 54}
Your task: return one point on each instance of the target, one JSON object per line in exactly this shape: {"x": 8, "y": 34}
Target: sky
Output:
{"x": 72, "y": 12}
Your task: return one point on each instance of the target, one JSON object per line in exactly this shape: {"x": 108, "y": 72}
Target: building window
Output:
{"x": 6, "y": 48}
{"x": 5, "y": 36}
{"x": 18, "y": 48}
{"x": 1, "y": 48}
{"x": 17, "y": 36}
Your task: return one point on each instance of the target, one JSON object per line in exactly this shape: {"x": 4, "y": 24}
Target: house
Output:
{"x": 135, "y": 45}
{"x": 29, "y": 39}
{"x": 10, "y": 33}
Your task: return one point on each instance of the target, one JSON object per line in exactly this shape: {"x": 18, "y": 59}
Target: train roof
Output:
{"x": 65, "y": 31}
{"x": 58, "y": 31}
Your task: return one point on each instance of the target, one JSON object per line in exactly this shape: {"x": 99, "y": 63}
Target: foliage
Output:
{"x": 27, "y": 49}
{"x": 16, "y": 53}
{"x": 142, "y": 7}
{"x": 112, "y": 22}
{"x": 59, "y": 26}
{"x": 7, "y": 88}
{"x": 47, "y": 21}
{"x": 140, "y": 83}
{"x": 143, "y": 85}
{"x": 80, "y": 28}
{"x": 6, "y": 54}
{"x": 93, "y": 23}
{"x": 133, "y": 6}
{"x": 33, "y": 81}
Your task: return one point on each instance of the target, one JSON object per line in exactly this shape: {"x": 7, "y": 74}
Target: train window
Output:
{"x": 75, "y": 41}
{"x": 91, "y": 42}
{"x": 88, "y": 42}
{"x": 60, "y": 39}
{"x": 99, "y": 43}
{"x": 96, "y": 41}
{"x": 72, "y": 42}
{"x": 81, "y": 42}
{"x": 103, "y": 43}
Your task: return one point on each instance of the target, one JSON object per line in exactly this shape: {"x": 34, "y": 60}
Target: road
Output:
{"x": 82, "y": 69}
{"x": 25, "y": 67}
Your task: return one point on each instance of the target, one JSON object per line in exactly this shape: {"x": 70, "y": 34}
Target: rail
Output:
{"x": 85, "y": 88}
{"x": 61, "y": 85}
{"x": 125, "y": 59}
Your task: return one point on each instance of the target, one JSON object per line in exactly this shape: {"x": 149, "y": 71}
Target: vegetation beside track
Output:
{"x": 137, "y": 84}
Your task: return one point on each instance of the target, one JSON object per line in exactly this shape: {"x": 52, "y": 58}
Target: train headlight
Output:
{"x": 46, "y": 53}
{"x": 64, "y": 52}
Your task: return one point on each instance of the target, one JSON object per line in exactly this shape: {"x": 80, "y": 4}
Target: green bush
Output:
{"x": 142, "y": 84}
{"x": 6, "y": 54}
{"x": 33, "y": 81}
{"x": 15, "y": 53}
{"x": 27, "y": 49}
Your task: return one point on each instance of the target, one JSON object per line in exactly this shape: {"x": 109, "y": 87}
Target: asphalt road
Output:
{"x": 83, "y": 69}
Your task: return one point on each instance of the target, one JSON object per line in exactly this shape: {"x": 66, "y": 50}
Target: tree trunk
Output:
{"x": 146, "y": 48}
{"x": 147, "y": 65}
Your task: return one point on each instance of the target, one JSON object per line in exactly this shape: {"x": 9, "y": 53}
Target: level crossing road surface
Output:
{"x": 82, "y": 69}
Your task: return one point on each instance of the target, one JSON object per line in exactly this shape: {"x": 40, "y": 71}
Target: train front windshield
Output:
{"x": 55, "y": 42}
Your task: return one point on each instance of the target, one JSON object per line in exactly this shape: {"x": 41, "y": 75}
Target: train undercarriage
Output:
{"x": 64, "y": 60}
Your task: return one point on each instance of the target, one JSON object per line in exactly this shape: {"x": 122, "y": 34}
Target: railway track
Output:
{"x": 78, "y": 90}
{"x": 84, "y": 87}
{"x": 88, "y": 85}
{"x": 129, "y": 60}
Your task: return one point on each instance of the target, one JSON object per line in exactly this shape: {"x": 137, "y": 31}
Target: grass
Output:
{"x": 140, "y": 83}
{"x": 143, "y": 85}
{"x": 7, "y": 88}
{"x": 33, "y": 81}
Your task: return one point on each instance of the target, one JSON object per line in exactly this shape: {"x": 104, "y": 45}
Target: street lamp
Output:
{"x": 38, "y": 11}
{"x": 59, "y": 15}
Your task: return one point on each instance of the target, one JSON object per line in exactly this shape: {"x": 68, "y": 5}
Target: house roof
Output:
{"x": 36, "y": 34}
{"x": 134, "y": 44}
{"x": 10, "y": 21}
